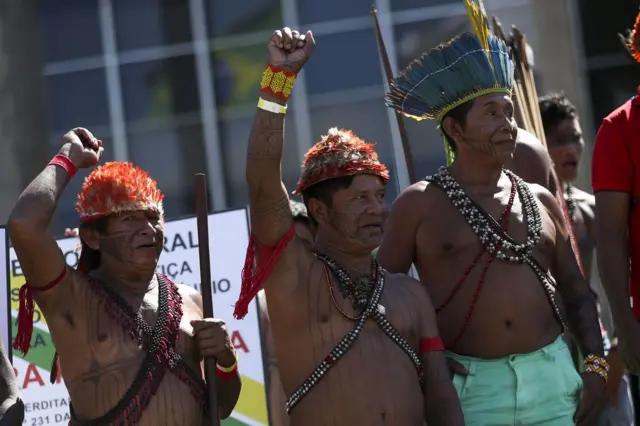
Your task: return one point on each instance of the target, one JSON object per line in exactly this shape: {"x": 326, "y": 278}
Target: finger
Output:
{"x": 84, "y": 134}
{"x": 276, "y": 39}
{"x": 456, "y": 367}
{"x": 210, "y": 351}
{"x": 310, "y": 43}
{"x": 100, "y": 151}
{"x": 287, "y": 38}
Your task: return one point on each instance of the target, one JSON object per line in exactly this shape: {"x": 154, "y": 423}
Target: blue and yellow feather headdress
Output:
{"x": 467, "y": 67}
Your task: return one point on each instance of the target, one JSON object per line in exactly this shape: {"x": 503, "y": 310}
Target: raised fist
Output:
{"x": 290, "y": 49}
{"x": 81, "y": 147}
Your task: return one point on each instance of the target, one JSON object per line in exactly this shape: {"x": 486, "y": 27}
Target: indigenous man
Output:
{"x": 616, "y": 185}
{"x": 484, "y": 243}
{"x": 566, "y": 145}
{"x": 11, "y": 406}
{"x": 356, "y": 345}
{"x": 275, "y": 394}
{"x": 124, "y": 334}
{"x": 531, "y": 162}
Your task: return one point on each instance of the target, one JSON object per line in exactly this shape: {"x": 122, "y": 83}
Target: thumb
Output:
{"x": 456, "y": 367}
{"x": 197, "y": 324}
{"x": 310, "y": 44}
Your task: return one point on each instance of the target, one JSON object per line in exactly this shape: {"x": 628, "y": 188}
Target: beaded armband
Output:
{"x": 596, "y": 364}
{"x": 277, "y": 81}
{"x": 227, "y": 373}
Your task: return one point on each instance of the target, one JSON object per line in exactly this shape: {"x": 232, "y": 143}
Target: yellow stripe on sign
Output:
{"x": 16, "y": 283}
{"x": 253, "y": 402}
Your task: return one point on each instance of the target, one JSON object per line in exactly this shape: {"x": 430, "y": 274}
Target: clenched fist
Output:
{"x": 81, "y": 147}
{"x": 290, "y": 49}
{"x": 214, "y": 341}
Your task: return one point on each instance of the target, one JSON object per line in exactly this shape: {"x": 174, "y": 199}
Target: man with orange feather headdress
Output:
{"x": 616, "y": 185}
{"x": 356, "y": 345}
{"x": 130, "y": 341}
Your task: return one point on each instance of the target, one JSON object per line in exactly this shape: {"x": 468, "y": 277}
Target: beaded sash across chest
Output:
{"x": 159, "y": 344}
{"x": 493, "y": 239}
{"x": 372, "y": 309}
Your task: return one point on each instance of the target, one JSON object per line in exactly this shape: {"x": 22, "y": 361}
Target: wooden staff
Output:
{"x": 386, "y": 64}
{"x": 202, "y": 217}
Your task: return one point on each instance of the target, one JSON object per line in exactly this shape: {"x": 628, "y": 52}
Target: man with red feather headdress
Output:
{"x": 356, "y": 345}
{"x": 130, "y": 341}
{"x": 616, "y": 185}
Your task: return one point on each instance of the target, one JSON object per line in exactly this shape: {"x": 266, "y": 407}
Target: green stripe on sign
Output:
{"x": 42, "y": 349}
{"x": 232, "y": 422}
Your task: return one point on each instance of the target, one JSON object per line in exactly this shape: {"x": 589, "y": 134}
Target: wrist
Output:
{"x": 226, "y": 359}
{"x": 66, "y": 151}
{"x": 64, "y": 162}
{"x": 276, "y": 84}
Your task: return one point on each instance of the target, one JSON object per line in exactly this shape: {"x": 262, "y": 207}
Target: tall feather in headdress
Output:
{"x": 632, "y": 40}
{"x": 464, "y": 68}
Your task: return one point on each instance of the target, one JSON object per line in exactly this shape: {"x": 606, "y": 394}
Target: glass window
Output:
{"x": 66, "y": 215}
{"x": 70, "y": 29}
{"x": 310, "y": 12}
{"x": 234, "y": 137}
{"x": 368, "y": 120}
{"x": 413, "y": 4}
{"x": 77, "y": 99}
{"x": 226, "y": 18}
{"x": 172, "y": 156}
{"x": 601, "y": 35}
{"x": 237, "y": 74}
{"x": 161, "y": 88}
{"x": 610, "y": 88}
{"x": 413, "y": 39}
{"x": 344, "y": 61}
{"x": 165, "y": 22}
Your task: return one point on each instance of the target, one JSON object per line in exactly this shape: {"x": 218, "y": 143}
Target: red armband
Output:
{"x": 277, "y": 81}
{"x": 22, "y": 342}
{"x": 431, "y": 344}
{"x": 64, "y": 162}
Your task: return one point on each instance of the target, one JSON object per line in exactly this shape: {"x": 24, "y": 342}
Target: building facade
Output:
{"x": 171, "y": 84}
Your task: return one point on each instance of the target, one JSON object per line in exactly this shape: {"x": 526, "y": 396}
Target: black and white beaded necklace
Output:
{"x": 571, "y": 202}
{"x": 489, "y": 232}
{"x": 357, "y": 291}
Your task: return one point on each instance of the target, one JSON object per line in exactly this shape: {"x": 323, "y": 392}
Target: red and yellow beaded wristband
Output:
{"x": 598, "y": 365}
{"x": 277, "y": 81}
{"x": 227, "y": 373}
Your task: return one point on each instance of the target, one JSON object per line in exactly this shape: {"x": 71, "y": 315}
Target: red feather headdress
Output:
{"x": 339, "y": 153}
{"x": 632, "y": 40}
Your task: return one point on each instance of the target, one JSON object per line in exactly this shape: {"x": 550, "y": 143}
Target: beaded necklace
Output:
{"x": 494, "y": 238}
{"x": 159, "y": 344}
{"x": 571, "y": 202}
{"x": 372, "y": 309}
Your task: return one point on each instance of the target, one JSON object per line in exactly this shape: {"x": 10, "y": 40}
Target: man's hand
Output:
{"x": 593, "y": 394}
{"x": 81, "y": 147}
{"x": 629, "y": 346}
{"x": 456, "y": 368}
{"x": 213, "y": 340}
{"x": 290, "y": 49}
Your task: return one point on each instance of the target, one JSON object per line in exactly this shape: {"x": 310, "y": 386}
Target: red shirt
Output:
{"x": 616, "y": 156}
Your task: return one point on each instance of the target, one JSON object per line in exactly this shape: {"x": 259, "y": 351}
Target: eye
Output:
{"x": 381, "y": 195}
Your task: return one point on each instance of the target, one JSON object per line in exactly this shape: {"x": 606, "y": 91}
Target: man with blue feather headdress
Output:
{"x": 492, "y": 250}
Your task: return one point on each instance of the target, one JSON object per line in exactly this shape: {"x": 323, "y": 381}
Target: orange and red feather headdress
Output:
{"x": 118, "y": 187}
{"x": 339, "y": 153}
{"x": 632, "y": 40}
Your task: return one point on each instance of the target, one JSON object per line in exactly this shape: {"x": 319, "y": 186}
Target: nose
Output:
{"x": 376, "y": 206}
{"x": 148, "y": 229}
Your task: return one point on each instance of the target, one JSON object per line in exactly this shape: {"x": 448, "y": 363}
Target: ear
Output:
{"x": 319, "y": 210}
{"x": 90, "y": 237}
{"x": 453, "y": 129}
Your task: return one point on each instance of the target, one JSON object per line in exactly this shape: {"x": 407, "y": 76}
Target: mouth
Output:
{"x": 570, "y": 164}
{"x": 506, "y": 142}
{"x": 374, "y": 227}
{"x": 147, "y": 246}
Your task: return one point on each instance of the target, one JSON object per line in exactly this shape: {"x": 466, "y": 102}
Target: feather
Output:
{"x": 479, "y": 23}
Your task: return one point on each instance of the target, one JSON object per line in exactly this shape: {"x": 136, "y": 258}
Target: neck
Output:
{"x": 122, "y": 279}
{"x": 471, "y": 171}
{"x": 354, "y": 262}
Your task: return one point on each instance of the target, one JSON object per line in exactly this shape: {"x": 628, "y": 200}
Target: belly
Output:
{"x": 375, "y": 383}
{"x": 511, "y": 314}
{"x": 172, "y": 404}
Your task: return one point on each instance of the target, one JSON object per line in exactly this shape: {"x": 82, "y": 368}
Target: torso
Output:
{"x": 512, "y": 313}
{"x": 99, "y": 360}
{"x": 375, "y": 383}
{"x": 583, "y": 216}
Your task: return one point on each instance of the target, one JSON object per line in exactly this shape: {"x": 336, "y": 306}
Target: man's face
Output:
{"x": 358, "y": 212}
{"x": 135, "y": 238}
{"x": 566, "y": 145}
{"x": 490, "y": 129}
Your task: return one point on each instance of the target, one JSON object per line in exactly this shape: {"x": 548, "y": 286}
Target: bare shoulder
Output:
{"x": 584, "y": 197}
{"x": 544, "y": 195}
{"x": 190, "y": 296}
{"x": 414, "y": 287}
{"x": 420, "y": 194}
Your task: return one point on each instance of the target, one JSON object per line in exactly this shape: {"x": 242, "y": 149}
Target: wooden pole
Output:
{"x": 386, "y": 64}
{"x": 202, "y": 218}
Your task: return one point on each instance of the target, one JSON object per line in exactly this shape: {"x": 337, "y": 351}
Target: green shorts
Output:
{"x": 538, "y": 388}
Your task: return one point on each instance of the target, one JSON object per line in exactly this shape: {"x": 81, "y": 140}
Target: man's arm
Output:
{"x": 441, "y": 402}
{"x": 582, "y": 311}
{"x": 40, "y": 257}
{"x": 11, "y": 407}
{"x": 398, "y": 248}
